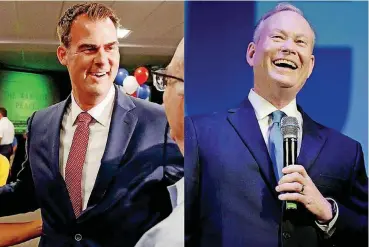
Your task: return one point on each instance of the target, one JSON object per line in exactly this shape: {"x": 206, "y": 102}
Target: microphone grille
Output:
{"x": 289, "y": 127}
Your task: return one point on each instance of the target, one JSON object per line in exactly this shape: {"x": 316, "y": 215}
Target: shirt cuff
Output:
{"x": 329, "y": 228}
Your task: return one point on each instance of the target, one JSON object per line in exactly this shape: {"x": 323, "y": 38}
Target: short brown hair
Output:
{"x": 95, "y": 11}
{"x": 3, "y": 112}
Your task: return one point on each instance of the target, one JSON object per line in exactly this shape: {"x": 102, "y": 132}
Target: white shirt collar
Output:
{"x": 98, "y": 112}
{"x": 264, "y": 108}
{"x": 180, "y": 191}
{"x": 176, "y": 193}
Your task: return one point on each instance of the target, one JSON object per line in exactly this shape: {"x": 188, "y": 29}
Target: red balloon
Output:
{"x": 141, "y": 74}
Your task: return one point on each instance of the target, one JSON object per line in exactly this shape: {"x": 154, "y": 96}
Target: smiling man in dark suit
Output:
{"x": 235, "y": 185}
{"x": 95, "y": 162}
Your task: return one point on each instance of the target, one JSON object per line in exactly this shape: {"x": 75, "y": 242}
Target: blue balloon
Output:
{"x": 143, "y": 92}
{"x": 122, "y": 74}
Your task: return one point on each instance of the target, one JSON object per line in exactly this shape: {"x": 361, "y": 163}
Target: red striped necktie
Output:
{"x": 76, "y": 159}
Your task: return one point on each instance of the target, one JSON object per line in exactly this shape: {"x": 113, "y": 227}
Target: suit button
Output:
{"x": 286, "y": 235}
{"x": 78, "y": 237}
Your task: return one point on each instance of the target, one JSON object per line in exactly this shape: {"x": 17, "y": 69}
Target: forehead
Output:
{"x": 84, "y": 30}
{"x": 290, "y": 22}
{"x": 178, "y": 58}
{"x": 176, "y": 68}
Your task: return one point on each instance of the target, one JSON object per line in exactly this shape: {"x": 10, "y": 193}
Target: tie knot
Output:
{"x": 84, "y": 117}
{"x": 277, "y": 116}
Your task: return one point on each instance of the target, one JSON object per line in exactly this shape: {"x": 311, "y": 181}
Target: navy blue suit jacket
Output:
{"x": 230, "y": 184}
{"x": 129, "y": 195}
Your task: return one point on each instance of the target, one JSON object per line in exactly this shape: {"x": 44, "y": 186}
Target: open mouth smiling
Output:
{"x": 98, "y": 74}
{"x": 284, "y": 63}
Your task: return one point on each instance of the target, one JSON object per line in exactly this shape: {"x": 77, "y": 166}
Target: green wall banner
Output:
{"x": 23, "y": 93}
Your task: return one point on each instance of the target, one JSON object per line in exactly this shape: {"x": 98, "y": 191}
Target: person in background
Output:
{"x": 6, "y": 134}
{"x": 170, "y": 231}
{"x": 15, "y": 233}
{"x": 19, "y": 157}
{"x": 4, "y": 169}
{"x": 14, "y": 146}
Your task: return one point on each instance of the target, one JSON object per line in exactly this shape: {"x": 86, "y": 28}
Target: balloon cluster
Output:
{"x": 134, "y": 85}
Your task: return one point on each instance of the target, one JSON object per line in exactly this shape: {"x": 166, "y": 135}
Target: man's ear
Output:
{"x": 250, "y": 54}
{"x": 311, "y": 65}
{"x": 61, "y": 52}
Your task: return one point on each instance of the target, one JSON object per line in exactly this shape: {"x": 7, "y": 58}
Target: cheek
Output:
{"x": 165, "y": 97}
{"x": 172, "y": 105}
{"x": 80, "y": 63}
{"x": 178, "y": 108}
{"x": 306, "y": 62}
{"x": 176, "y": 114}
{"x": 305, "y": 55}
{"x": 115, "y": 59}
{"x": 167, "y": 103}
{"x": 264, "y": 53}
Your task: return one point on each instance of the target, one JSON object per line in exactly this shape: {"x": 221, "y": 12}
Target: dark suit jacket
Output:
{"x": 230, "y": 184}
{"x": 129, "y": 195}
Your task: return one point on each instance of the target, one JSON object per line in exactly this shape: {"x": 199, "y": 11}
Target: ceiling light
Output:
{"x": 123, "y": 33}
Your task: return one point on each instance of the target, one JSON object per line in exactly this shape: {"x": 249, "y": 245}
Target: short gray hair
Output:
{"x": 279, "y": 8}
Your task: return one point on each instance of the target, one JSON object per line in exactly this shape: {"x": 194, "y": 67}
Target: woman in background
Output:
{"x": 15, "y": 233}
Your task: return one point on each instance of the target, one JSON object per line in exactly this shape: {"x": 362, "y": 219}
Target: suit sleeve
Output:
{"x": 19, "y": 196}
{"x": 192, "y": 185}
{"x": 352, "y": 221}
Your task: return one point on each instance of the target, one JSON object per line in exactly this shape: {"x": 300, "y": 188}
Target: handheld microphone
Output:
{"x": 289, "y": 129}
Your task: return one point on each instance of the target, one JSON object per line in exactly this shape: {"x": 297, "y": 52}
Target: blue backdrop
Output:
{"x": 218, "y": 76}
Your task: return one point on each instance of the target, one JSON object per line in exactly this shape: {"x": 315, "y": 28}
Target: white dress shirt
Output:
{"x": 263, "y": 109}
{"x": 170, "y": 231}
{"x": 6, "y": 131}
{"x": 176, "y": 193}
{"x": 99, "y": 130}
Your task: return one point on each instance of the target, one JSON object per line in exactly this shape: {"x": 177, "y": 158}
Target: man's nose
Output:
{"x": 289, "y": 47}
{"x": 101, "y": 57}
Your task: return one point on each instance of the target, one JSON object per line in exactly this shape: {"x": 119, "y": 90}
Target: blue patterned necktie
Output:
{"x": 276, "y": 143}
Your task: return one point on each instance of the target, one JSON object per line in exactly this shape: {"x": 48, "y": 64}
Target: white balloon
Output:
{"x": 130, "y": 84}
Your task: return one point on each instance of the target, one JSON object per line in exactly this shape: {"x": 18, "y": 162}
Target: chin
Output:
{"x": 286, "y": 84}
{"x": 284, "y": 81}
{"x": 96, "y": 89}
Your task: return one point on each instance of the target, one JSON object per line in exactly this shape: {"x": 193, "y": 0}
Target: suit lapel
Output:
{"x": 312, "y": 141}
{"x": 246, "y": 125}
{"x": 54, "y": 127}
{"x": 122, "y": 125}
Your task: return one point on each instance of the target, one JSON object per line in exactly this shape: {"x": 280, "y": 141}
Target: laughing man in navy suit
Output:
{"x": 235, "y": 193}
{"x": 95, "y": 162}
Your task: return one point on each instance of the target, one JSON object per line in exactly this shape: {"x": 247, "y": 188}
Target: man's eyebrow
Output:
{"x": 278, "y": 30}
{"x": 87, "y": 46}
{"x": 112, "y": 43}
{"x": 298, "y": 35}
{"x": 93, "y": 46}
